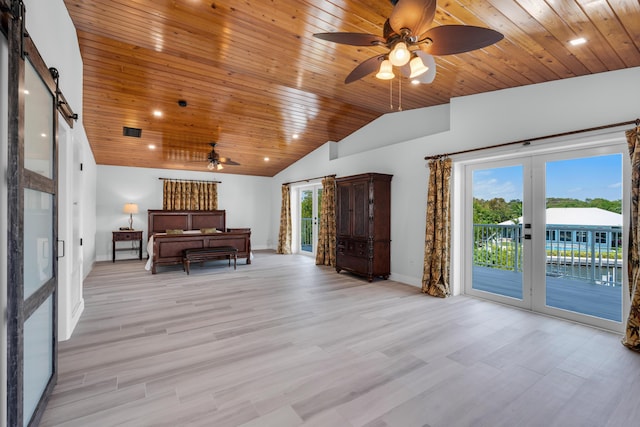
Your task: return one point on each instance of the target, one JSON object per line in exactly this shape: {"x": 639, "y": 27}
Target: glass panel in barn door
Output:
{"x": 39, "y": 236}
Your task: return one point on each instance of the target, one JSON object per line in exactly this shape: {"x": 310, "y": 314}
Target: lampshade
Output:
{"x": 130, "y": 208}
{"x": 417, "y": 67}
{"x": 386, "y": 71}
{"x": 399, "y": 55}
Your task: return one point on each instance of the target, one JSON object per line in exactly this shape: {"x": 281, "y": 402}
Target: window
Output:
{"x": 566, "y": 236}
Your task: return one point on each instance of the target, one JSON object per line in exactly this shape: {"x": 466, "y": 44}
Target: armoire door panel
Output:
{"x": 360, "y": 209}
{"x": 343, "y": 210}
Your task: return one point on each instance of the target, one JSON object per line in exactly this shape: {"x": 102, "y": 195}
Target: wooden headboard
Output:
{"x": 160, "y": 220}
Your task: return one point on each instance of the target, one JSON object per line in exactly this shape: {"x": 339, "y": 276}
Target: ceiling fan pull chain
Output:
{"x": 400, "y": 93}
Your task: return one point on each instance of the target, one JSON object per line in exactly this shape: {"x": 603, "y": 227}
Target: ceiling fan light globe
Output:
{"x": 219, "y": 167}
{"x": 211, "y": 166}
{"x": 399, "y": 55}
{"x": 386, "y": 71}
{"x": 417, "y": 67}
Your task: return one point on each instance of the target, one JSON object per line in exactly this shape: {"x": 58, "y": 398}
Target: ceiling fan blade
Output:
{"x": 426, "y": 77}
{"x": 452, "y": 39}
{"x": 364, "y": 69}
{"x": 354, "y": 39}
{"x": 416, "y": 15}
{"x": 228, "y": 161}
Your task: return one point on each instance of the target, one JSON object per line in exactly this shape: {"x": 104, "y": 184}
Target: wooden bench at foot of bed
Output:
{"x": 169, "y": 249}
{"x": 209, "y": 254}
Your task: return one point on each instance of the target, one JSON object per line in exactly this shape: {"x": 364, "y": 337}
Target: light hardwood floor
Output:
{"x": 283, "y": 342}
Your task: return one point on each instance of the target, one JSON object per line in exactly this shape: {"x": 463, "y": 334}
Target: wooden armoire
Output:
{"x": 363, "y": 225}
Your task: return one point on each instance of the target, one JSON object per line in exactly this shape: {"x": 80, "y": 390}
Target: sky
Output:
{"x": 589, "y": 177}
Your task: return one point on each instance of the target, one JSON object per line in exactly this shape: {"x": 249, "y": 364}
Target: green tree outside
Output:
{"x": 497, "y": 210}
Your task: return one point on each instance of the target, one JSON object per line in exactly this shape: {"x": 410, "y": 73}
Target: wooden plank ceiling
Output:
{"x": 253, "y": 76}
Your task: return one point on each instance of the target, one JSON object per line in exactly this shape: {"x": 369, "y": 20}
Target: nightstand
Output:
{"x": 126, "y": 236}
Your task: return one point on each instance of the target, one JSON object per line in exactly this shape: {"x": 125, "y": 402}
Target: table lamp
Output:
{"x": 130, "y": 208}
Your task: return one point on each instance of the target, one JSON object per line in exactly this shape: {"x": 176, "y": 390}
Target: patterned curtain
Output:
{"x": 284, "y": 237}
{"x": 326, "y": 251}
{"x": 190, "y": 195}
{"x": 632, "y": 335}
{"x": 435, "y": 278}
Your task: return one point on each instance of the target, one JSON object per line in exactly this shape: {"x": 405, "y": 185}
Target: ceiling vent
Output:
{"x": 134, "y": 132}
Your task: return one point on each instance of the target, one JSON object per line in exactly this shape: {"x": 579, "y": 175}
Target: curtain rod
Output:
{"x": 190, "y": 180}
{"x": 530, "y": 140}
{"x": 309, "y": 179}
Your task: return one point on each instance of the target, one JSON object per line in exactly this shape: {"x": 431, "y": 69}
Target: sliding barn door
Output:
{"x": 32, "y": 234}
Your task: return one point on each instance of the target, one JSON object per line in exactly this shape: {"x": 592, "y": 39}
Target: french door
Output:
{"x": 309, "y": 208}
{"x": 499, "y": 265}
{"x": 545, "y": 232}
{"x": 32, "y": 235}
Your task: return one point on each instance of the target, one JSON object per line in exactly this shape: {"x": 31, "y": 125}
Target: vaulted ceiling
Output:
{"x": 259, "y": 84}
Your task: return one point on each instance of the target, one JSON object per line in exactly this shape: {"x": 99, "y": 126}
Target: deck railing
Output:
{"x": 587, "y": 253}
{"x": 306, "y": 234}
{"x": 498, "y": 246}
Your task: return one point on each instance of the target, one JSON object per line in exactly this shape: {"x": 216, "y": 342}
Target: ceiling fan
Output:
{"x": 216, "y": 162}
{"x": 411, "y": 43}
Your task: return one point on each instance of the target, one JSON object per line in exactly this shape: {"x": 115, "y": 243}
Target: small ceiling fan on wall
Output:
{"x": 216, "y": 162}
{"x": 411, "y": 43}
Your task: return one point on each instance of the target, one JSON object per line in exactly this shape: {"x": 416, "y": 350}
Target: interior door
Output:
{"x": 545, "y": 232}
{"x": 310, "y": 205}
{"x": 32, "y": 213}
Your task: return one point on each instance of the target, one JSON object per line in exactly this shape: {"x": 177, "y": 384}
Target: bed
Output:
{"x": 196, "y": 230}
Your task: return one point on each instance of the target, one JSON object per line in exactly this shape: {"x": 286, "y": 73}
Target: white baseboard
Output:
{"x": 408, "y": 280}
{"x": 73, "y": 322}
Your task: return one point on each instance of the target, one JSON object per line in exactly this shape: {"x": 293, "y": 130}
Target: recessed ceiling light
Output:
{"x": 26, "y": 92}
{"x": 576, "y": 42}
{"x": 415, "y": 82}
{"x": 295, "y": 136}
{"x": 152, "y": 146}
{"x": 266, "y": 159}
{"x": 157, "y": 113}
{"x": 44, "y": 135}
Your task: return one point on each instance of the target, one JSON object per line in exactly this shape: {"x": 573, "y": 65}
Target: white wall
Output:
{"x": 89, "y": 203}
{"x": 246, "y": 199}
{"x": 383, "y": 131}
{"x": 53, "y": 33}
{"x": 474, "y": 121}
